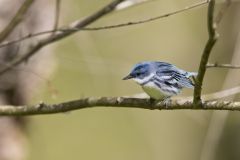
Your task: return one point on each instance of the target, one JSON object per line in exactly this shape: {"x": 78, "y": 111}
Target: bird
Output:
{"x": 160, "y": 80}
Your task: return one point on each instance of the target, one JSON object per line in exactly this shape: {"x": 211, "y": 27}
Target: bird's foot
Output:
{"x": 167, "y": 102}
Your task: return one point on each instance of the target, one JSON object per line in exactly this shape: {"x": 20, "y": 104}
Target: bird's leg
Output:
{"x": 167, "y": 102}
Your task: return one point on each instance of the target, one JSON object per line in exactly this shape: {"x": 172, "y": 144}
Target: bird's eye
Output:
{"x": 138, "y": 73}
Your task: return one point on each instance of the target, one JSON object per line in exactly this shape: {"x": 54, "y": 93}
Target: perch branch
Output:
{"x": 118, "y": 102}
{"x": 15, "y": 20}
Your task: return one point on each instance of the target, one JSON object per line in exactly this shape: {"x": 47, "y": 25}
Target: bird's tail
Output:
{"x": 191, "y": 74}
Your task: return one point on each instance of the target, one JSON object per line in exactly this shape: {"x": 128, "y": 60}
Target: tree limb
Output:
{"x": 15, "y": 20}
{"x": 119, "y": 102}
{"x": 229, "y": 66}
{"x": 206, "y": 52}
{"x": 46, "y": 41}
{"x": 57, "y": 14}
{"x": 213, "y": 36}
{"x": 31, "y": 35}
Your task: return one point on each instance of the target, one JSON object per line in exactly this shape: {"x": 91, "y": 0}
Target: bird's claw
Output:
{"x": 167, "y": 102}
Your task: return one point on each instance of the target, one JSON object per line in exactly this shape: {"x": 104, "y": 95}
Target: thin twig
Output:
{"x": 213, "y": 36}
{"x": 221, "y": 12}
{"x": 213, "y": 96}
{"x": 119, "y": 102}
{"x": 15, "y": 20}
{"x": 57, "y": 14}
{"x": 103, "y": 27}
{"x": 131, "y": 3}
{"x": 58, "y": 36}
{"x": 228, "y": 66}
{"x": 207, "y": 50}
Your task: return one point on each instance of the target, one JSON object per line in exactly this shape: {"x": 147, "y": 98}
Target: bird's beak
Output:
{"x": 127, "y": 77}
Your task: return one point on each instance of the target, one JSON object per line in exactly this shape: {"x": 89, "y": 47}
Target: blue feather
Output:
{"x": 161, "y": 78}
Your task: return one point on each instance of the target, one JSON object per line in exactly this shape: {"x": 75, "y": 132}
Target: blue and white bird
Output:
{"x": 160, "y": 80}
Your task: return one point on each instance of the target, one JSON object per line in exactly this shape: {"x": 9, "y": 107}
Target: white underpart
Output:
{"x": 154, "y": 91}
{"x": 145, "y": 79}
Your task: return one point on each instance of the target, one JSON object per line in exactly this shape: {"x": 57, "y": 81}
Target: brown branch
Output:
{"x": 118, "y": 102}
{"x": 216, "y": 65}
{"x": 214, "y": 96}
{"x": 213, "y": 36}
{"x": 103, "y": 27}
{"x": 57, "y": 14}
{"x": 222, "y": 11}
{"x": 58, "y": 36}
{"x": 18, "y": 17}
{"x": 127, "y": 5}
{"x": 206, "y": 52}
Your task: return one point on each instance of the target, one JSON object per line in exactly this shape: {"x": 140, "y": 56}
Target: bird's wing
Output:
{"x": 175, "y": 77}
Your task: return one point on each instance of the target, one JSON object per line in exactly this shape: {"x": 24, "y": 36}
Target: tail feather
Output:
{"x": 191, "y": 74}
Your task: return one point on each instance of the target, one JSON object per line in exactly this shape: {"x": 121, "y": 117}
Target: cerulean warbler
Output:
{"x": 160, "y": 80}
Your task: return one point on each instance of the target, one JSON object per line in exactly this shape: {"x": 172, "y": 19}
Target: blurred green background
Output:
{"x": 92, "y": 63}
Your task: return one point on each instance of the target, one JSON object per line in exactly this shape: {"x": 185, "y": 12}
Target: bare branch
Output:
{"x": 16, "y": 19}
{"x": 46, "y": 41}
{"x": 103, "y": 27}
{"x": 213, "y": 36}
{"x": 57, "y": 14}
{"x": 119, "y": 102}
{"x": 216, "y": 65}
{"x": 206, "y": 52}
{"x": 131, "y": 3}
{"x": 215, "y": 95}
{"x": 222, "y": 11}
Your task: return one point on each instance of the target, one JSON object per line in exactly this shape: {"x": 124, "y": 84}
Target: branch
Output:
{"x": 57, "y": 14}
{"x": 15, "y": 20}
{"x": 206, "y": 52}
{"x": 104, "y": 27}
{"x": 131, "y": 3}
{"x": 58, "y": 36}
{"x": 229, "y": 66}
{"x": 213, "y": 36}
{"x": 221, "y": 12}
{"x": 119, "y": 102}
{"x": 214, "y": 96}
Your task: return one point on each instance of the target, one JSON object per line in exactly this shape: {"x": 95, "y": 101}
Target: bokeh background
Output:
{"x": 92, "y": 63}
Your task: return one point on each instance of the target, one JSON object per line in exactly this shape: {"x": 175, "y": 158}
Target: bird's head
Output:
{"x": 140, "y": 73}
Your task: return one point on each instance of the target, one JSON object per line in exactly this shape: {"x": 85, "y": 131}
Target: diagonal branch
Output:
{"x": 206, "y": 52}
{"x": 57, "y": 14}
{"x": 222, "y": 10}
{"x": 216, "y": 65}
{"x": 213, "y": 36}
{"x": 104, "y": 27}
{"x": 15, "y": 20}
{"x": 118, "y": 102}
{"x": 46, "y": 41}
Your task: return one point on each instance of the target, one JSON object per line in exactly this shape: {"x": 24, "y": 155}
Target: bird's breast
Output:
{"x": 154, "y": 91}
